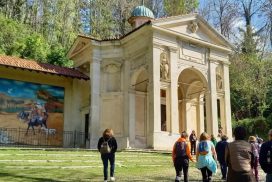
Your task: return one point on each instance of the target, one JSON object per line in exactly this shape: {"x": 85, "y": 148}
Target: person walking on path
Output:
{"x": 107, "y": 146}
{"x": 193, "y": 140}
{"x": 266, "y": 157}
{"x": 213, "y": 140}
{"x": 255, "y": 150}
{"x": 206, "y": 157}
{"x": 239, "y": 158}
{"x": 181, "y": 155}
{"x": 220, "y": 151}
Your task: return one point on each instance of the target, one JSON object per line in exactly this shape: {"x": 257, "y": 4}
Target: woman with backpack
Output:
{"x": 107, "y": 147}
{"x": 206, "y": 157}
{"x": 181, "y": 155}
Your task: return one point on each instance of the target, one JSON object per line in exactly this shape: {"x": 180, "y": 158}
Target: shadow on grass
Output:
{"x": 35, "y": 179}
{"x": 27, "y": 178}
{"x": 172, "y": 180}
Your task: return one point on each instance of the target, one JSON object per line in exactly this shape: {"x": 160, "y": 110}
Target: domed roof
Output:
{"x": 142, "y": 11}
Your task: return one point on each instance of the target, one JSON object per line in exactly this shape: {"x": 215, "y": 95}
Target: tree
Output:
{"x": 35, "y": 47}
{"x": 250, "y": 79}
{"x": 57, "y": 57}
{"x": 267, "y": 8}
{"x": 224, "y": 15}
{"x": 179, "y": 7}
{"x": 12, "y": 36}
{"x": 249, "y": 9}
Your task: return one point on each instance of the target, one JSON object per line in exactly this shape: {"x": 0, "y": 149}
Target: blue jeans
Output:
{"x": 224, "y": 169}
{"x": 105, "y": 158}
{"x": 268, "y": 177}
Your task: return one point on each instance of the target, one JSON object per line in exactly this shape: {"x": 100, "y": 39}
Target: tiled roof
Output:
{"x": 31, "y": 65}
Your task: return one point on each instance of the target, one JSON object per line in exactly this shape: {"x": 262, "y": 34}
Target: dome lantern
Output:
{"x": 140, "y": 15}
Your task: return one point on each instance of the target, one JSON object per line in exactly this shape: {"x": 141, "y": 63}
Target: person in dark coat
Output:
{"x": 220, "y": 150}
{"x": 108, "y": 139}
{"x": 193, "y": 140}
{"x": 266, "y": 157}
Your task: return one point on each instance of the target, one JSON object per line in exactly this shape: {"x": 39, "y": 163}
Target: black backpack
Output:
{"x": 105, "y": 148}
{"x": 181, "y": 149}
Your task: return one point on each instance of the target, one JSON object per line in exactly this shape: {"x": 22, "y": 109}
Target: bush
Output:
{"x": 269, "y": 121}
{"x": 254, "y": 126}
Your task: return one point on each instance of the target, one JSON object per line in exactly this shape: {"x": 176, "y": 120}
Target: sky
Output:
{"x": 27, "y": 90}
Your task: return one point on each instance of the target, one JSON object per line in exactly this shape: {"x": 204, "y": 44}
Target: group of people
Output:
{"x": 238, "y": 160}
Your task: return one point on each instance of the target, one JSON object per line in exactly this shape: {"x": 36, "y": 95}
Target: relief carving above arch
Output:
{"x": 111, "y": 67}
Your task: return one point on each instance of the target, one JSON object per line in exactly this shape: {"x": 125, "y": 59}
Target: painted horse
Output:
{"x": 33, "y": 121}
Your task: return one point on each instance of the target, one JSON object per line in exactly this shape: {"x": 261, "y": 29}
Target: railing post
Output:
{"x": 75, "y": 139}
{"x": 18, "y": 137}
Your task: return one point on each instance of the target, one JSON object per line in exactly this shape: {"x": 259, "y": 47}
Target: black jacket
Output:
{"x": 192, "y": 138}
{"x": 267, "y": 146}
{"x": 220, "y": 151}
{"x": 112, "y": 143}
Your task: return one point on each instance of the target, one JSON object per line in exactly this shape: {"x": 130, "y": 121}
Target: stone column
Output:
{"x": 155, "y": 105}
{"x": 154, "y": 95}
{"x": 188, "y": 116}
{"x": 168, "y": 109}
{"x": 222, "y": 113}
{"x": 228, "y": 128}
{"x": 183, "y": 114}
{"x": 213, "y": 122}
{"x": 95, "y": 100}
{"x": 200, "y": 124}
{"x": 132, "y": 118}
{"x": 208, "y": 113}
{"x": 174, "y": 90}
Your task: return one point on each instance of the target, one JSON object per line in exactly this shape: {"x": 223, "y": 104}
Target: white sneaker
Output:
{"x": 112, "y": 178}
{"x": 178, "y": 178}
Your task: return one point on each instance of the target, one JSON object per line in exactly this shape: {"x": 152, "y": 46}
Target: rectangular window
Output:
{"x": 163, "y": 111}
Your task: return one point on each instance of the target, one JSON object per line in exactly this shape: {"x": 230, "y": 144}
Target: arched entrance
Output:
{"x": 192, "y": 87}
{"x": 141, "y": 109}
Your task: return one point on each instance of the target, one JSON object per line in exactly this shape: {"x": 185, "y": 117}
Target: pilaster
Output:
{"x": 200, "y": 125}
{"x": 154, "y": 93}
{"x": 228, "y": 128}
{"x": 174, "y": 90}
{"x": 95, "y": 100}
{"x": 132, "y": 117}
{"x": 213, "y": 99}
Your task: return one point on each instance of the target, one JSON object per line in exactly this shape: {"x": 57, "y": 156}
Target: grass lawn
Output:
{"x": 81, "y": 165}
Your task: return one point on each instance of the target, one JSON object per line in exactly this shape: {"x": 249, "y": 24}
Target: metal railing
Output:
{"x": 18, "y": 137}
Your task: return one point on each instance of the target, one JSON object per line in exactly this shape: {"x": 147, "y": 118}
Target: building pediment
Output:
{"x": 193, "y": 26}
{"x": 78, "y": 46}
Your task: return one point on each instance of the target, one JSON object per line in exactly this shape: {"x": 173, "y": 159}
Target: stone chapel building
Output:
{"x": 165, "y": 76}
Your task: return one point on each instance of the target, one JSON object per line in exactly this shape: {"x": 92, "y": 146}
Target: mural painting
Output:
{"x": 30, "y": 113}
